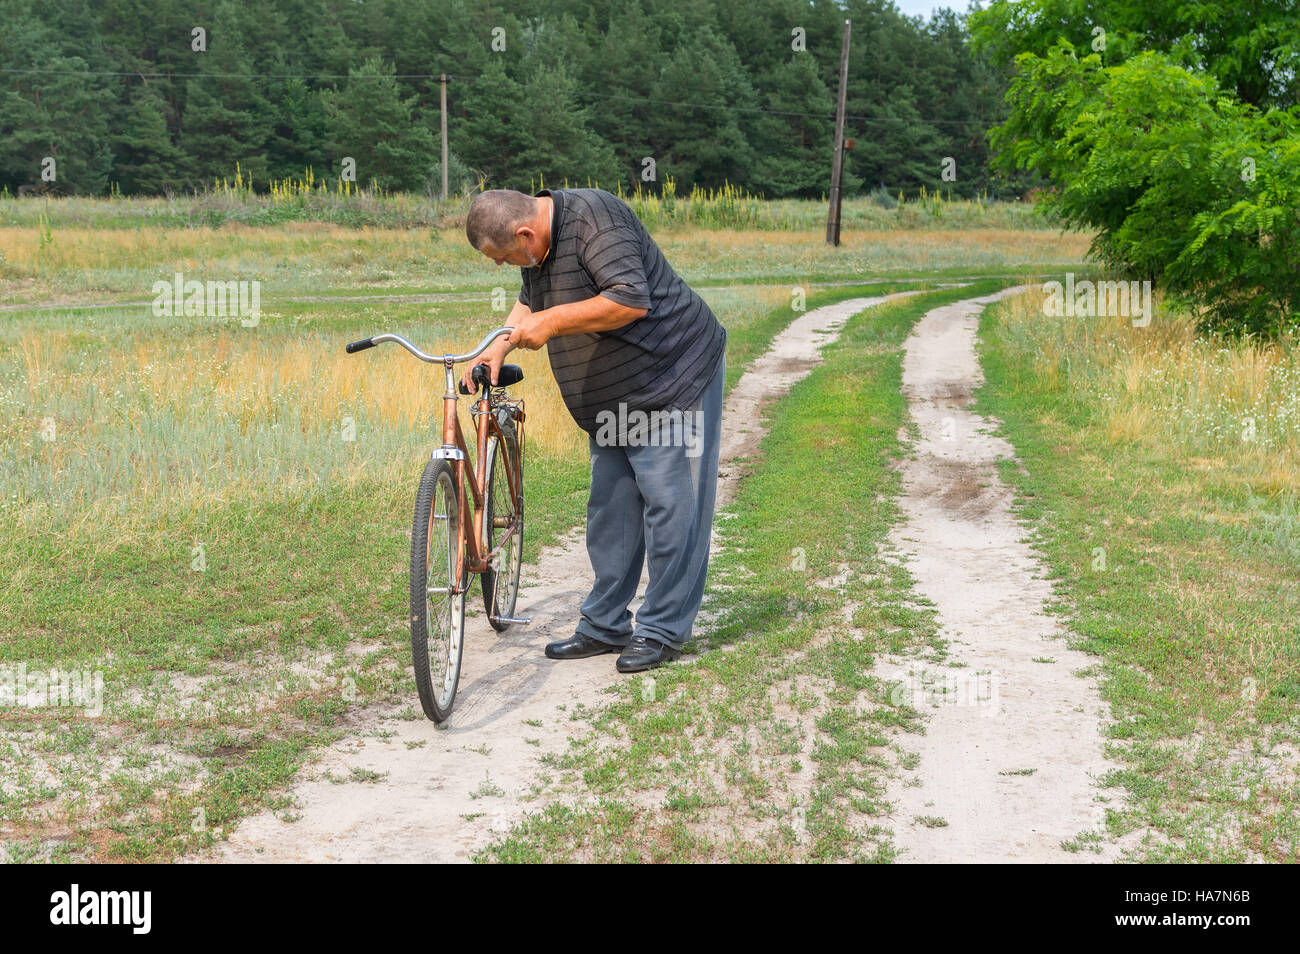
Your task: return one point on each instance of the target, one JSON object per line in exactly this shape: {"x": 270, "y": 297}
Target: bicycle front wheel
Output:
{"x": 437, "y": 610}
{"x": 501, "y": 583}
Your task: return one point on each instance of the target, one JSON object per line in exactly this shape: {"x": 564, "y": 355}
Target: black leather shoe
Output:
{"x": 579, "y": 646}
{"x": 642, "y": 653}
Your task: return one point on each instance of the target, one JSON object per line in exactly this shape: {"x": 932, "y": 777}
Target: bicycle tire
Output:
{"x": 437, "y": 626}
{"x": 500, "y": 601}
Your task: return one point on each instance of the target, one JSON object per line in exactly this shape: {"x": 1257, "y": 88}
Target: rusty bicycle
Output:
{"x": 469, "y": 520}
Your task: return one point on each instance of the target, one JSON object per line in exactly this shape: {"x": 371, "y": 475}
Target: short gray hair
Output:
{"x": 495, "y": 214}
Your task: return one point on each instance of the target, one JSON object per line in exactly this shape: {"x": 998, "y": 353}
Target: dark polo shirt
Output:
{"x": 662, "y": 360}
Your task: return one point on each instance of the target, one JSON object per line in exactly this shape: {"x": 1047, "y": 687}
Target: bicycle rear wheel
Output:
{"x": 437, "y": 613}
{"x": 501, "y": 584}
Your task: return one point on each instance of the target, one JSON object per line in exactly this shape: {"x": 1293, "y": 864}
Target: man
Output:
{"x": 629, "y": 342}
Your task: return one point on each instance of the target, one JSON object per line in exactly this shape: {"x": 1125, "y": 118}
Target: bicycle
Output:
{"x": 456, "y": 534}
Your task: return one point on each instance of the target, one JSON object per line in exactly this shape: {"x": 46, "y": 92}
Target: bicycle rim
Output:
{"x": 501, "y": 591}
{"x": 438, "y": 614}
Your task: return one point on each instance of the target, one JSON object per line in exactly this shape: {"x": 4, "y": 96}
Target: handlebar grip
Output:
{"x": 361, "y": 345}
{"x": 481, "y": 375}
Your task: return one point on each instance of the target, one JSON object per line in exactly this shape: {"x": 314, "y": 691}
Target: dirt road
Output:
{"x": 1013, "y": 742}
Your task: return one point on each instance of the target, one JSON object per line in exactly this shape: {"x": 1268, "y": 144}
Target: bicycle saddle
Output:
{"x": 509, "y": 374}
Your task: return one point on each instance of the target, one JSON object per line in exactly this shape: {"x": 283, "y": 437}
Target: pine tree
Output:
{"x": 61, "y": 114}
{"x": 227, "y": 120}
{"x": 794, "y": 141}
{"x": 147, "y": 161}
{"x": 369, "y": 121}
{"x": 706, "y": 141}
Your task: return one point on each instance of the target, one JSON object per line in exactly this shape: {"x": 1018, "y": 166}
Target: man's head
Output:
{"x": 509, "y": 226}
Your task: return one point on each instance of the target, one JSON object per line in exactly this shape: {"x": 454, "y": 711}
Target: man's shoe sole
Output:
{"x": 642, "y": 667}
{"x": 598, "y": 652}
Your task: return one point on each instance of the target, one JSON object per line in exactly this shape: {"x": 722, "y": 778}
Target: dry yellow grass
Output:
{"x": 1234, "y": 404}
{"x": 74, "y": 264}
{"x": 158, "y": 425}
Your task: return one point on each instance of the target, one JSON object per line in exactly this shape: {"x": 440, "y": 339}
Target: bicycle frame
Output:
{"x": 470, "y": 549}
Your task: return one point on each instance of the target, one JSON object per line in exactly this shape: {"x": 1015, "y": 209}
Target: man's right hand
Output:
{"x": 493, "y": 357}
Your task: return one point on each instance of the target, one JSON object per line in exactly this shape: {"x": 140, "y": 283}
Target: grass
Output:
{"x": 774, "y": 740}
{"x": 91, "y": 263}
{"x": 1159, "y": 477}
{"x": 334, "y": 203}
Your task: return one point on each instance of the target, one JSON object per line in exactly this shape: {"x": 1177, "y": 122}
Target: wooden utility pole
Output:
{"x": 442, "y": 79}
{"x": 837, "y": 161}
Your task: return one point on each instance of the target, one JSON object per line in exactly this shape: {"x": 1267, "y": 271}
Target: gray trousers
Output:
{"x": 652, "y": 496}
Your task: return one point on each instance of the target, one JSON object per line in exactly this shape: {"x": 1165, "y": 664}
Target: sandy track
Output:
{"x": 1002, "y": 711}
{"x": 444, "y": 792}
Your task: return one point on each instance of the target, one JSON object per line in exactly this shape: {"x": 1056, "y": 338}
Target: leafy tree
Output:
{"x": 1184, "y": 185}
{"x": 1252, "y": 52}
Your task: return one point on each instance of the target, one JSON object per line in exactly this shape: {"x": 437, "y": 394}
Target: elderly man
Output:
{"x": 639, "y": 359}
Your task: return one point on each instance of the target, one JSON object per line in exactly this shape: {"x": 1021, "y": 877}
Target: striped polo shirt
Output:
{"x": 662, "y": 360}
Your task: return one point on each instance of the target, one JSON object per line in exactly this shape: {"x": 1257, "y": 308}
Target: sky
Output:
{"x": 923, "y": 8}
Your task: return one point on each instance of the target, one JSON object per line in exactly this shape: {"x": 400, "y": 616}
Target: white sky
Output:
{"x": 923, "y": 8}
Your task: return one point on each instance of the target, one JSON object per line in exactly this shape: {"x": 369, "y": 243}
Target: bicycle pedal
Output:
{"x": 509, "y": 620}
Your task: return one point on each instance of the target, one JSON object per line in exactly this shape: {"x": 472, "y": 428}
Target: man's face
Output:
{"x": 522, "y": 254}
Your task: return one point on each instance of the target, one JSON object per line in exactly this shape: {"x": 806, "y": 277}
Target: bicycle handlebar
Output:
{"x": 365, "y": 343}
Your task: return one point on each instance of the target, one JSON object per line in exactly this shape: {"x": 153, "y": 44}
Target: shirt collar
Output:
{"x": 557, "y": 211}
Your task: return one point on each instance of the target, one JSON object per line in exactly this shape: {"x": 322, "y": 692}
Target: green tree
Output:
{"x": 794, "y": 141}
{"x": 520, "y": 134}
{"x": 369, "y": 121}
{"x": 61, "y": 109}
{"x": 299, "y": 131}
{"x": 146, "y": 160}
{"x": 227, "y": 120}
{"x": 1183, "y": 184}
{"x": 704, "y": 142}
{"x": 1251, "y": 49}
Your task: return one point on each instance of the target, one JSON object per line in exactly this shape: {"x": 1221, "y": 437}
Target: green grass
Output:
{"x": 84, "y": 263}
{"x": 774, "y": 740}
{"x": 1183, "y": 583}
{"x": 405, "y": 211}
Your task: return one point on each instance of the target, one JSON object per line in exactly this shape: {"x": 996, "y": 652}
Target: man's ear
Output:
{"x": 525, "y": 233}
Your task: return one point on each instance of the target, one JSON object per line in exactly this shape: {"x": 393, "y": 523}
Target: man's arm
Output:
{"x": 597, "y": 313}
{"x": 613, "y": 258}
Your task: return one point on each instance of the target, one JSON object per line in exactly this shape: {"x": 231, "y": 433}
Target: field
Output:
{"x": 213, "y": 515}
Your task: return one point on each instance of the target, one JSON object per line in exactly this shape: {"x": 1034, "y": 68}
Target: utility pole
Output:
{"x": 442, "y": 79}
{"x": 837, "y": 161}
